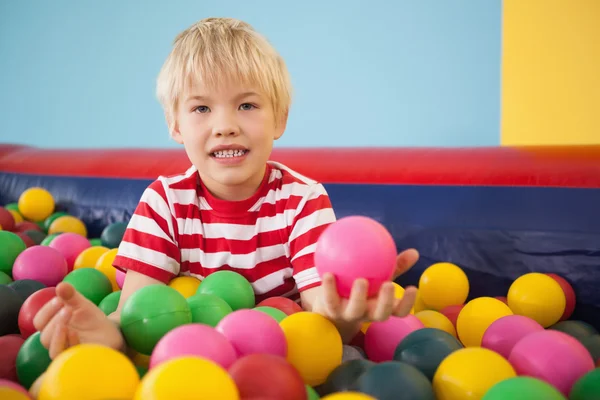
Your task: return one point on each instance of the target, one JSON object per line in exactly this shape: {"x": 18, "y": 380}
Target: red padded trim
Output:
{"x": 568, "y": 166}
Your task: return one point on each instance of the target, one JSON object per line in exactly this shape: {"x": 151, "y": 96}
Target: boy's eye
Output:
{"x": 247, "y": 107}
{"x": 202, "y": 109}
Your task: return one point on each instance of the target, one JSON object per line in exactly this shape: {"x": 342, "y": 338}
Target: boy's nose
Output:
{"x": 226, "y": 128}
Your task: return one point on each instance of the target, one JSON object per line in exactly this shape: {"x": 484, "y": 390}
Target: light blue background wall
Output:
{"x": 366, "y": 73}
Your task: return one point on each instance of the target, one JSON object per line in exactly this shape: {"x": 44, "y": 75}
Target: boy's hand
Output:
{"x": 70, "y": 319}
{"x": 348, "y": 314}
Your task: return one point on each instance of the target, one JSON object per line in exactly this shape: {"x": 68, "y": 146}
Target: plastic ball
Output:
{"x": 32, "y": 361}
{"x": 592, "y": 344}
{"x": 314, "y": 345}
{"x": 112, "y": 235}
{"x": 92, "y": 284}
{"x": 36, "y": 236}
{"x": 48, "y": 239}
{"x": 16, "y": 216}
{"x": 578, "y": 329}
{"x": 11, "y": 302}
{"x": 476, "y": 316}
{"x": 267, "y": 376}
{"x": 24, "y": 226}
{"x": 7, "y": 220}
{"x": 120, "y": 278}
{"x": 348, "y": 396}
{"x": 151, "y": 312}
{"x": 274, "y": 313}
{"x": 538, "y": 297}
{"x": 425, "y": 349}
{"x": 26, "y": 287}
{"x": 343, "y": 377}
{"x": 382, "y": 338}
{"x": 284, "y": 304}
{"x": 36, "y": 204}
{"x": 437, "y": 320}
{"x": 41, "y": 263}
{"x": 89, "y": 257}
{"x": 356, "y": 247}
{"x": 253, "y": 332}
{"x": 208, "y": 309}
{"x": 469, "y": 373}
{"x": 9, "y": 348}
{"x": 587, "y": 387}
{"x": 452, "y": 312}
{"x": 187, "y": 378}
{"x": 194, "y": 340}
{"x": 231, "y": 287}
{"x": 4, "y": 278}
{"x": 523, "y": 388}
{"x": 186, "y": 285}
{"x": 502, "y": 335}
{"x": 95, "y": 242}
{"x": 311, "y": 394}
{"x": 26, "y": 239}
{"x": 553, "y": 357}
{"x": 570, "y": 298}
{"x": 70, "y": 245}
{"x": 12, "y": 391}
{"x": 68, "y": 223}
{"x": 110, "y": 303}
{"x": 395, "y": 381}
{"x": 442, "y": 285}
{"x": 90, "y": 371}
{"x": 48, "y": 221}
{"x": 12, "y": 245}
{"x": 30, "y": 308}
{"x": 105, "y": 265}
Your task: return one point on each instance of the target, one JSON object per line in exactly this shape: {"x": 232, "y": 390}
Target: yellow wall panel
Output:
{"x": 551, "y": 72}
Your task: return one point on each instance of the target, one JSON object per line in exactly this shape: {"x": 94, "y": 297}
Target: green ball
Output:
{"x": 95, "y": 242}
{"x": 394, "y": 380}
{"x": 109, "y": 304}
{"x": 37, "y": 236}
{"x": 5, "y": 279}
{"x": 91, "y": 283}
{"x": 113, "y": 234}
{"x": 277, "y": 314}
{"x": 141, "y": 370}
{"x": 48, "y": 239}
{"x": 577, "y": 329}
{"x": 208, "y": 309}
{"x": 12, "y": 206}
{"x": 523, "y": 388}
{"x": 32, "y": 360}
{"x": 592, "y": 343}
{"x": 48, "y": 221}
{"x": 231, "y": 287}
{"x": 587, "y": 387}
{"x": 151, "y": 312}
{"x": 12, "y": 245}
{"x": 311, "y": 394}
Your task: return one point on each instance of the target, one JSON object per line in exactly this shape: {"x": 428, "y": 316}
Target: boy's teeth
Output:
{"x": 229, "y": 153}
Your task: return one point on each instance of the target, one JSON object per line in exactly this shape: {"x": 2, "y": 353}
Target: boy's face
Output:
{"x": 228, "y": 134}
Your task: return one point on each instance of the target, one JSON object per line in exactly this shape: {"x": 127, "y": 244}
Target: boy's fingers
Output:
{"x": 405, "y": 261}
{"x": 331, "y": 299}
{"x": 357, "y": 304}
{"x": 46, "y": 313}
{"x": 71, "y": 297}
{"x": 385, "y": 303}
{"x": 404, "y": 305}
{"x": 61, "y": 318}
{"x": 58, "y": 342}
{"x": 73, "y": 338}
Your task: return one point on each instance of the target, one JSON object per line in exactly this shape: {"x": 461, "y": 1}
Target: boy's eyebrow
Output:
{"x": 237, "y": 98}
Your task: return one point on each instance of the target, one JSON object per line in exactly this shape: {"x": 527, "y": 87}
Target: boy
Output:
{"x": 226, "y": 95}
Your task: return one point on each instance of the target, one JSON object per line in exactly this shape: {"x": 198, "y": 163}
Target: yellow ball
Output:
{"x": 6, "y": 393}
{"x": 469, "y": 373}
{"x": 67, "y": 223}
{"x": 348, "y": 396}
{"x": 89, "y": 371}
{"x": 419, "y": 304}
{"x": 399, "y": 293}
{"x": 187, "y": 378}
{"x": 89, "y": 257}
{"x": 476, "y": 316}
{"x": 442, "y": 285}
{"x": 314, "y": 345}
{"x": 538, "y": 297}
{"x": 36, "y": 204}
{"x": 437, "y": 320}
{"x": 186, "y": 285}
{"x": 17, "y": 217}
{"x": 105, "y": 265}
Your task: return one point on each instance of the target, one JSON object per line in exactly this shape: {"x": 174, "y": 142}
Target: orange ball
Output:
{"x": 68, "y": 223}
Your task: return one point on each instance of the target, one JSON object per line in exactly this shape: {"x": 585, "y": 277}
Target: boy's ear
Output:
{"x": 174, "y": 129}
{"x": 281, "y": 125}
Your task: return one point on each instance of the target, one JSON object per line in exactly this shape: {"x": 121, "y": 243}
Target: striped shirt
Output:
{"x": 180, "y": 228}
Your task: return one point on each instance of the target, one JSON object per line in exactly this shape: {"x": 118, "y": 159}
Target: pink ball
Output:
{"x": 552, "y": 356}
{"x": 356, "y": 247}
{"x": 382, "y": 338}
{"x": 120, "y": 277}
{"x": 14, "y": 386}
{"x": 502, "y": 335}
{"x": 70, "y": 245}
{"x": 194, "y": 340}
{"x": 253, "y": 332}
{"x": 41, "y": 263}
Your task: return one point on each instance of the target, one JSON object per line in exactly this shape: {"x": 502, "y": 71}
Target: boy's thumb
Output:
{"x": 71, "y": 297}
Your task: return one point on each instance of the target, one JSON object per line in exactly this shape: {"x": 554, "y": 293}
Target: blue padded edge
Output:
{"x": 494, "y": 233}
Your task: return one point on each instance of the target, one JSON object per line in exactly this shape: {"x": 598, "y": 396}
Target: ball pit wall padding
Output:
{"x": 497, "y": 212}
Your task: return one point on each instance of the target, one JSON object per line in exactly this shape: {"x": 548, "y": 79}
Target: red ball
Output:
{"x": 267, "y": 376}
{"x": 26, "y": 239}
{"x": 27, "y": 226}
{"x": 9, "y": 348}
{"x": 358, "y": 340}
{"x": 503, "y": 299}
{"x": 569, "y": 295}
{"x": 30, "y": 307}
{"x": 451, "y": 312}
{"x": 281, "y": 303}
{"x": 7, "y": 221}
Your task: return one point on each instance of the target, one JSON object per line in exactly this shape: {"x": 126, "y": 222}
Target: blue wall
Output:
{"x": 366, "y": 73}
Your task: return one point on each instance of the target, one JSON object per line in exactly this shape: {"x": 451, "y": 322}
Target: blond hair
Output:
{"x": 216, "y": 50}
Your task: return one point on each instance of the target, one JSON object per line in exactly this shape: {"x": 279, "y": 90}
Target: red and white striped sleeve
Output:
{"x": 313, "y": 215}
{"x": 149, "y": 244}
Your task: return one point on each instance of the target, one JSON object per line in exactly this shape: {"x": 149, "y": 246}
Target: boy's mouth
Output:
{"x": 229, "y": 153}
